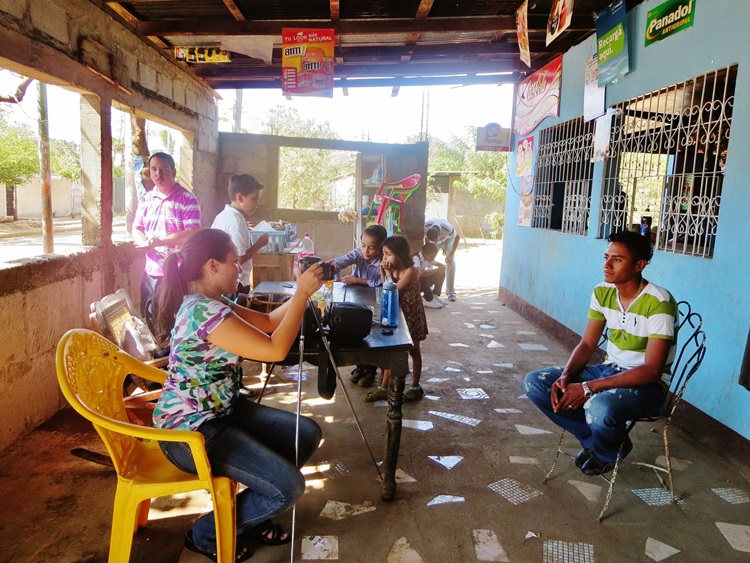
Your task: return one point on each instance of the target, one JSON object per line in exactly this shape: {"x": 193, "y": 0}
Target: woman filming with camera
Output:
{"x": 250, "y": 443}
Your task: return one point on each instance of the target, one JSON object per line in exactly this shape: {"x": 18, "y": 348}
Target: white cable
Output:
{"x": 299, "y": 413}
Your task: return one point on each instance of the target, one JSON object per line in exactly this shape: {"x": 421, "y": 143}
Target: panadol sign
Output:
{"x": 669, "y": 18}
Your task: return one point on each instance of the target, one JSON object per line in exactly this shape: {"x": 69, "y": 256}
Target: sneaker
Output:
{"x": 368, "y": 376}
{"x": 452, "y": 298}
{"x": 436, "y": 298}
{"x": 357, "y": 374}
{"x": 431, "y": 304}
{"x": 367, "y": 379}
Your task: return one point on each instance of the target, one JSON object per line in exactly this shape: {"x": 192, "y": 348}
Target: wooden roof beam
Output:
{"x": 349, "y": 26}
{"x": 355, "y": 71}
{"x": 335, "y": 11}
{"x": 374, "y": 82}
{"x": 235, "y": 11}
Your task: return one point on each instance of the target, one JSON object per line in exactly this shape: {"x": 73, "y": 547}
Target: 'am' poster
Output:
{"x": 307, "y": 62}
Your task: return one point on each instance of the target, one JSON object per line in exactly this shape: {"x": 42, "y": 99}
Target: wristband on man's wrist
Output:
{"x": 586, "y": 390}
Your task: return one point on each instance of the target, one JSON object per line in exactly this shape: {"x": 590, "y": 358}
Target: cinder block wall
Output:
{"x": 48, "y": 40}
{"x": 39, "y": 302}
{"x": 44, "y": 297}
{"x": 259, "y": 155}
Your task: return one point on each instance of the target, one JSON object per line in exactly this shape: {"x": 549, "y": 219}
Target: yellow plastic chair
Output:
{"x": 109, "y": 317}
{"x": 91, "y": 370}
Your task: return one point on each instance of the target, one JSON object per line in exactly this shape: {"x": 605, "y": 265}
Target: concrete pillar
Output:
{"x": 187, "y": 150}
{"x": 96, "y": 167}
{"x": 198, "y": 174}
{"x": 271, "y": 192}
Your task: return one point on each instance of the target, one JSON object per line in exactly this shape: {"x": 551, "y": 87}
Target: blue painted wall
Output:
{"x": 556, "y": 272}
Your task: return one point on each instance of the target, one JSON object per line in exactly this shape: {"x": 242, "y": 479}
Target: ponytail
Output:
{"x": 183, "y": 267}
{"x": 172, "y": 291}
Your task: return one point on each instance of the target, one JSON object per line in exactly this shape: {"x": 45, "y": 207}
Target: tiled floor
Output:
{"x": 473, "y": 456}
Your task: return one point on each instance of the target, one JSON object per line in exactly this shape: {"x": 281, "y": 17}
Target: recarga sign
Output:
{"x": 669, "y": 18}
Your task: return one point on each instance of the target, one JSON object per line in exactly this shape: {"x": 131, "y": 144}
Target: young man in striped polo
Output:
{"x": 595, "y": 402}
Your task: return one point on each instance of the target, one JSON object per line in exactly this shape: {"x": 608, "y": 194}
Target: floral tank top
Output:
{"x": 204, "y": 380}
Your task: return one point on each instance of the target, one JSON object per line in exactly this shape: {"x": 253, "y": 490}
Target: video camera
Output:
{"x": 328, "y": 269}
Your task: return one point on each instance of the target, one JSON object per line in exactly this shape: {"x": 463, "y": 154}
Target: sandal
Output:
{"x": 243, "y": 552}
{"x": 269, "y": 533}
{"x": 414, "y": 393}
{"x": 378, "y": 395}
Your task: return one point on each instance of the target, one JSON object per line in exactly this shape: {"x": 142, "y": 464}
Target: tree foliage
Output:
{"x": 484, "y": 174}
{"x": 306, "y": 176}
{"x": 65, "y": 159}
{"x": 19, "y": 155}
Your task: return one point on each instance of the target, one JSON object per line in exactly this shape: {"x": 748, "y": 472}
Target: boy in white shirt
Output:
{"x": 431, "y": 276}
{"x": 244, "y": 195}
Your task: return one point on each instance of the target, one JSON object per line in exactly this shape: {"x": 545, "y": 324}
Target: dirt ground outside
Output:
{"x": 8, "y": 226}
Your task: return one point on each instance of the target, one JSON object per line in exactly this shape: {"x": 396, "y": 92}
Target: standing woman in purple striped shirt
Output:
{"x": 165, "y": 218}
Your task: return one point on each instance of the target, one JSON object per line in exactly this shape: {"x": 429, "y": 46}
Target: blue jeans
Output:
{"x": 255, "y": 447}
{"x": 601, "y": 425}
{"x": 450, "y": 268}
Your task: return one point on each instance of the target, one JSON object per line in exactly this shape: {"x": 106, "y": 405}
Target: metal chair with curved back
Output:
{"x": 687, "y": 361}
{"x": 91, "y": 371}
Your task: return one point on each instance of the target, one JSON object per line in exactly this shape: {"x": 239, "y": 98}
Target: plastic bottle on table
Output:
{"x": 306, "y": 246}
{"x": 389, "y": 305}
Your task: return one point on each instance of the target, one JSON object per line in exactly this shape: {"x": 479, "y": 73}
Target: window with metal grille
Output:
{"x": 562, "y": 184}
{"x": 668, "y": 150}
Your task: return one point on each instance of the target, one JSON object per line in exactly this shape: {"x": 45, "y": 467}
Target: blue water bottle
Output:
{"x": 389, "y": 305}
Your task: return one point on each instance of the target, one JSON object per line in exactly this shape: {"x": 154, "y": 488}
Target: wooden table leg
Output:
{"x": 399, "y": 369}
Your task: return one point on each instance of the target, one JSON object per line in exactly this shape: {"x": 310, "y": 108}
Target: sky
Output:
{"x": 372, "y": 114}
{"x": 364, "y": 114}
{"x": 62, "y": 105}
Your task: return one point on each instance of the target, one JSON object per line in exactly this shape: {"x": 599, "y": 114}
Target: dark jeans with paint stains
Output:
{"x": 601, "y": 425}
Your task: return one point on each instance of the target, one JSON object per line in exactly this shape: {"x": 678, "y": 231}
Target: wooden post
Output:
{"x": 138, "y": 153}
{"x": 44, "y": 170}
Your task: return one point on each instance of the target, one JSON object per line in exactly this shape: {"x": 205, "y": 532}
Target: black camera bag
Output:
{"x": 348, "y": 322}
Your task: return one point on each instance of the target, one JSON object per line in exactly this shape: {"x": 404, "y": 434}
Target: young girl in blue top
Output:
{"x": 250, "y": 443}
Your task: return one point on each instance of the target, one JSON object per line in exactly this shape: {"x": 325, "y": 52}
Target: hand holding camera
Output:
{"x": 329, "y": 271}
{"x": 309, "y": 281}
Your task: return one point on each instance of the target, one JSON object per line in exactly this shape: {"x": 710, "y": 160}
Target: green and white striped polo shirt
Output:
{"x": 653, "y": 314}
